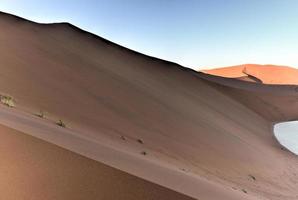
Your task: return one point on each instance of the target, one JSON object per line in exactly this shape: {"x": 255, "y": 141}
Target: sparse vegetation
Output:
{"x": 252, "y": 177}
{"x": 7, "y": 100}
{"x": 41, "y": 114}
{"x": 243, "y": 190}
{"x": 140, "y": 141}
{"x": 61, "y": 123}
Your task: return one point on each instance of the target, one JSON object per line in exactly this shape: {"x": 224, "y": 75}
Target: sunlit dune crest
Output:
{"x": 267, "y": 74}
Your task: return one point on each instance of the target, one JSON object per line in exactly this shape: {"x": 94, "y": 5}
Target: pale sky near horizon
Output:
{"x": 286, "y": 134}
{"x": 194, "y": 33}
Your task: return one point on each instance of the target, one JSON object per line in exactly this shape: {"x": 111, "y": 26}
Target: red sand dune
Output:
{"x": 267, "y": 74}
{"x": 205, "y": 136}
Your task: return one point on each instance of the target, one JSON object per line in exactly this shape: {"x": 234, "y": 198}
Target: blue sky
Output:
{"x": 194, "y": 33}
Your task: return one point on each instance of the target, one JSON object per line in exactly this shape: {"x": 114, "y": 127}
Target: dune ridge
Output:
{"x": 201, "y": 127}
{"x": 266, "y": 74}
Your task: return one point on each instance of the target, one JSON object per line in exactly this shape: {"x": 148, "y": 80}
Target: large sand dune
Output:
{"x": 205, "y": 136}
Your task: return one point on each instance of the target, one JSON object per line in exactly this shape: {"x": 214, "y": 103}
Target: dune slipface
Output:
{"x": 203, "y": 136}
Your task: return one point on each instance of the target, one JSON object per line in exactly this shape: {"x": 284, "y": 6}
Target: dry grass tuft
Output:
{"x": 61, "y": 123}
{"x": 7, "y": 100}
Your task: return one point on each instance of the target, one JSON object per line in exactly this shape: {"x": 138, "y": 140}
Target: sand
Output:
{"x": 205, "y": 136}
{"x": 33, "y": 169}
{"x": 266, "y": 74}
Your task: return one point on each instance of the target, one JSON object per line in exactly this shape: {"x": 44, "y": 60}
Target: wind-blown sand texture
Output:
{"x": 204, "y": 136}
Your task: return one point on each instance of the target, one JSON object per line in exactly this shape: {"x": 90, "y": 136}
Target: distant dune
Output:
{"x": 206, "y": 135}
{"x": 267, "y": 74}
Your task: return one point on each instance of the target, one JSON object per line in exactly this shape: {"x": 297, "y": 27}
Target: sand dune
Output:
{"x": 212, "y": 135}
{"x": 267, "y": 74}
{"x": 34, "y": 169}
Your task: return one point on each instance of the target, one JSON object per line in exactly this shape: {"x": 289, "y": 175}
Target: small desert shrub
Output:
{"x": 243, "y": 190}
{"x": 7, "y": 100}
{"x": 252, "y": 177}
{"x": 144, "y": 153}
{"x": 140, "y": 141}
{"x": 41, "y": 114}
{"x": 61, "y": 123}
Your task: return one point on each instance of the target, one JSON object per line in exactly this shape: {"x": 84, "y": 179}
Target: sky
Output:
{"x": 286, "y": 134}
{"x": 194, "y": 33}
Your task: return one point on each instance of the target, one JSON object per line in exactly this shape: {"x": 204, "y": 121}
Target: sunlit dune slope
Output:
{"x": 267, "y": 74}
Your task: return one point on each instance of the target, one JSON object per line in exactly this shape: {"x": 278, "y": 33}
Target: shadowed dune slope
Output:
{"x": 273, "y": 102}
{"x": 215, "y": 128}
